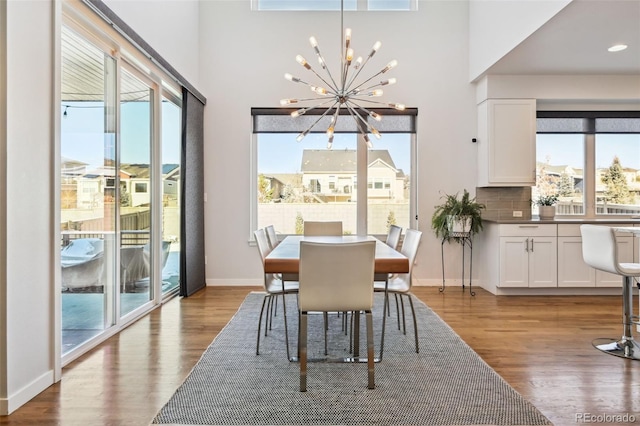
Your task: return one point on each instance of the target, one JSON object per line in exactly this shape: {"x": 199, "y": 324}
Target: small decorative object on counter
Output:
{"x": 547, "y": 206}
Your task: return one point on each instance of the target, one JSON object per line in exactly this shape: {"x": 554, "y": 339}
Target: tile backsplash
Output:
{"x": 503, "y": 201}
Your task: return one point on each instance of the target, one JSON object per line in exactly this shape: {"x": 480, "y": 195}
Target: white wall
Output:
{"x": 244, "y": 56}
{"x": 498, "y": 26}
{"x": 169, "y": 26}
{"x": 29, "y": 341}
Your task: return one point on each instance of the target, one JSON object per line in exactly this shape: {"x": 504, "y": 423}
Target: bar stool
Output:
{"x": 600, "y": 251}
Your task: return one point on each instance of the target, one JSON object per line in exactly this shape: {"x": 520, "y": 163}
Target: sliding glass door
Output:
{"x": 120, "y": 190}
{"x": 88, "y": 191}
{"x": 136, "y": 182}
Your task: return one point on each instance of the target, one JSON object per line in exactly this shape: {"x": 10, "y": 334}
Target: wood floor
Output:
{"x": 539, "y": 345}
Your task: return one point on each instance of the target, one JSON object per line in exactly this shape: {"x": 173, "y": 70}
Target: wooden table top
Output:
{"x": 285, "y": 258}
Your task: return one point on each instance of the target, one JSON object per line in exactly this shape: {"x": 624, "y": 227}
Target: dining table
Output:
{"x": 285, "y": 259}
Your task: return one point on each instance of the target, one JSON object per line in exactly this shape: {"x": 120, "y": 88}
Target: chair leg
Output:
{"x": 397, "y": 309}
{"x": 260, "y": 323}
{"x": 325, "y": 318}
{"x": 415, "y": 323}
{"x": 269, "y": 318}
{"x": 303, "y": 352}
{"x": 286, "y": 330}
{"x": 370, "y": 361}
{"x": 404, "y": 320}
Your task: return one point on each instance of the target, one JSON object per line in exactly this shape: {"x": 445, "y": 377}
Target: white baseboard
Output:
{"x": 24, "y": 395}
{"x": 215, "y": 282}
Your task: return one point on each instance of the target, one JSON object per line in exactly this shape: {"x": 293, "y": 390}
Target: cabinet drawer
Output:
{"x": 573, "y": 230}
{"x": 528, "y": 230}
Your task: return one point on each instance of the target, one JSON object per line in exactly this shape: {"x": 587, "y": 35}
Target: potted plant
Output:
{"x": 457, "y": 217}
{"x": 547, "y": 206}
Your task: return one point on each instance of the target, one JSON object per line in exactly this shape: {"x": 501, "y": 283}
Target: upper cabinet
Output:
{"x": 506, "y": 142}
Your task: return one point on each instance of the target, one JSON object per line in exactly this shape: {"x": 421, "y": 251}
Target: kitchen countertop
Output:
{"x": 561, "y": 221}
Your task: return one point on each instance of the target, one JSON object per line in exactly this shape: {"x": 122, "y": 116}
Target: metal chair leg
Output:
{"x": 303, "y": 352}
{"x": 260, "y": 323}
{"x": 370, "y": 360}
{"x": 415, "y": 323}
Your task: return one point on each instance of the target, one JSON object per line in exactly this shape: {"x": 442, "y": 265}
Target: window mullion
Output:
{"x": 589, "y": 174}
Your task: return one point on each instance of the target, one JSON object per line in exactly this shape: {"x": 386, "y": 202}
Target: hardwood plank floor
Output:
{"x": 540, "y": 345}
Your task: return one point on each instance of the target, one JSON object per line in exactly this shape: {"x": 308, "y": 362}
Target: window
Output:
{"x": 297, "y": 181}
{"x": 591, "y": 160}
{"x": 141, "y": 187}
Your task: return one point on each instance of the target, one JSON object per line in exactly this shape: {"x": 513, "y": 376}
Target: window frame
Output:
{"x": 589, "y": 130}
{"x": 362, "y": 168}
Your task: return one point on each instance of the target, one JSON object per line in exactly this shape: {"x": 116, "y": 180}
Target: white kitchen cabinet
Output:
{"x": 528, "y": 256}
{"x": 506, "y": 142}
{"x": 573, "y": 272}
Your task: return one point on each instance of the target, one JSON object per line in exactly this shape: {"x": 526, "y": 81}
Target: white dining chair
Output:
{"x": 392, "y": 240}
{"x": 400, "y": 284}
{"x": 600, "y": 251}
{"x": 274, "y": 286}
{"x": 271, "y": 236}
{"x": 336, "y": 277}
{"x": 316, "y": 228}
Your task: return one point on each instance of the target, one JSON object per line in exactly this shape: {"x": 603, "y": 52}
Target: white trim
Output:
{"x": 55, "y": 191}
{"x": 3, "y": 207}
{"x": 24, "y": 395}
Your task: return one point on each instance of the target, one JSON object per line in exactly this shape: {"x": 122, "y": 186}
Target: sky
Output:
{"x": 83, "y": 133}
{"x": 568, "y": 150}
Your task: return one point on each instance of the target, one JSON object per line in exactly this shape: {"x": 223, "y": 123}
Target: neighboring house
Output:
{"x": 331, "y": 176}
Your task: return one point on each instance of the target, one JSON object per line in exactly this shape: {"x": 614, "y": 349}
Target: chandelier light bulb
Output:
{"x": 345, "y": 95}
{"x": 302, "y": 61}
{"x": 390, "y": 65}
{"x": 375, "y": 48}
{"x": 367, "y": 141}
{"x": 349, "y": 56}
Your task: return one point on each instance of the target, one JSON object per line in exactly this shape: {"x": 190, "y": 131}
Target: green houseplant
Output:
{"x": 546, "y": 206}
{"x": 457, "y": 210}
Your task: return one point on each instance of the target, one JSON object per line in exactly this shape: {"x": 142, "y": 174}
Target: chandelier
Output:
{"x": 344, "y": 92}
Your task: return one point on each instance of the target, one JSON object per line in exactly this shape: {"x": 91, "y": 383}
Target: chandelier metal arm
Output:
{"x": 323, "y": 64}
{"x": 306, "y": 132}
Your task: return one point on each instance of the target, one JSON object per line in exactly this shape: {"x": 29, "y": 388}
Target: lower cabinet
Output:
{"x": 528, "y": 256}
{"x": 573, "y": 272}
{"x": 533, "y": 255}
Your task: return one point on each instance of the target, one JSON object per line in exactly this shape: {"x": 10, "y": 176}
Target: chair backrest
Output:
{"x": 271, "y": 236}
{"x": 599, "y": 248}
{"x": 410, "y": 249}
{"x": 393, "y": 237}
{"x": 322, "y": 228}
{"x": 336, "y": 276}
{"x": 262, "y": 242}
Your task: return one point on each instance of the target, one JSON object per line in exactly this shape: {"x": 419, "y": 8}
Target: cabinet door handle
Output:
{"x": 526, "y": 245}
{"x": 532, "y": 245}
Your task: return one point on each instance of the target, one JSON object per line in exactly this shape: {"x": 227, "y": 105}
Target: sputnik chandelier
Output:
{"x": 348, "y": 93}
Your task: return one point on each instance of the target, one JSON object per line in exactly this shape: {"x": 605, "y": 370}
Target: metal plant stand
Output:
{"x": 464, "y": 238}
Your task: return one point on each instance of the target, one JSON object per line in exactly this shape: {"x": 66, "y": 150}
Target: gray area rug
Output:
{"x": 447, "y": 383}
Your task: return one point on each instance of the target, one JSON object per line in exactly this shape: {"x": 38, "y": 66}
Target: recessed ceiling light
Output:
{"x": 617, "y": 48}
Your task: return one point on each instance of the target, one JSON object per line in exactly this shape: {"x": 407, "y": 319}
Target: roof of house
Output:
{"x": 339, "y": 161}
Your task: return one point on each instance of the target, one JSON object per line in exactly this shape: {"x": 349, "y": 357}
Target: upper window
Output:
{"x": 591, "y": 160}
{"x": 334, "y": 5}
